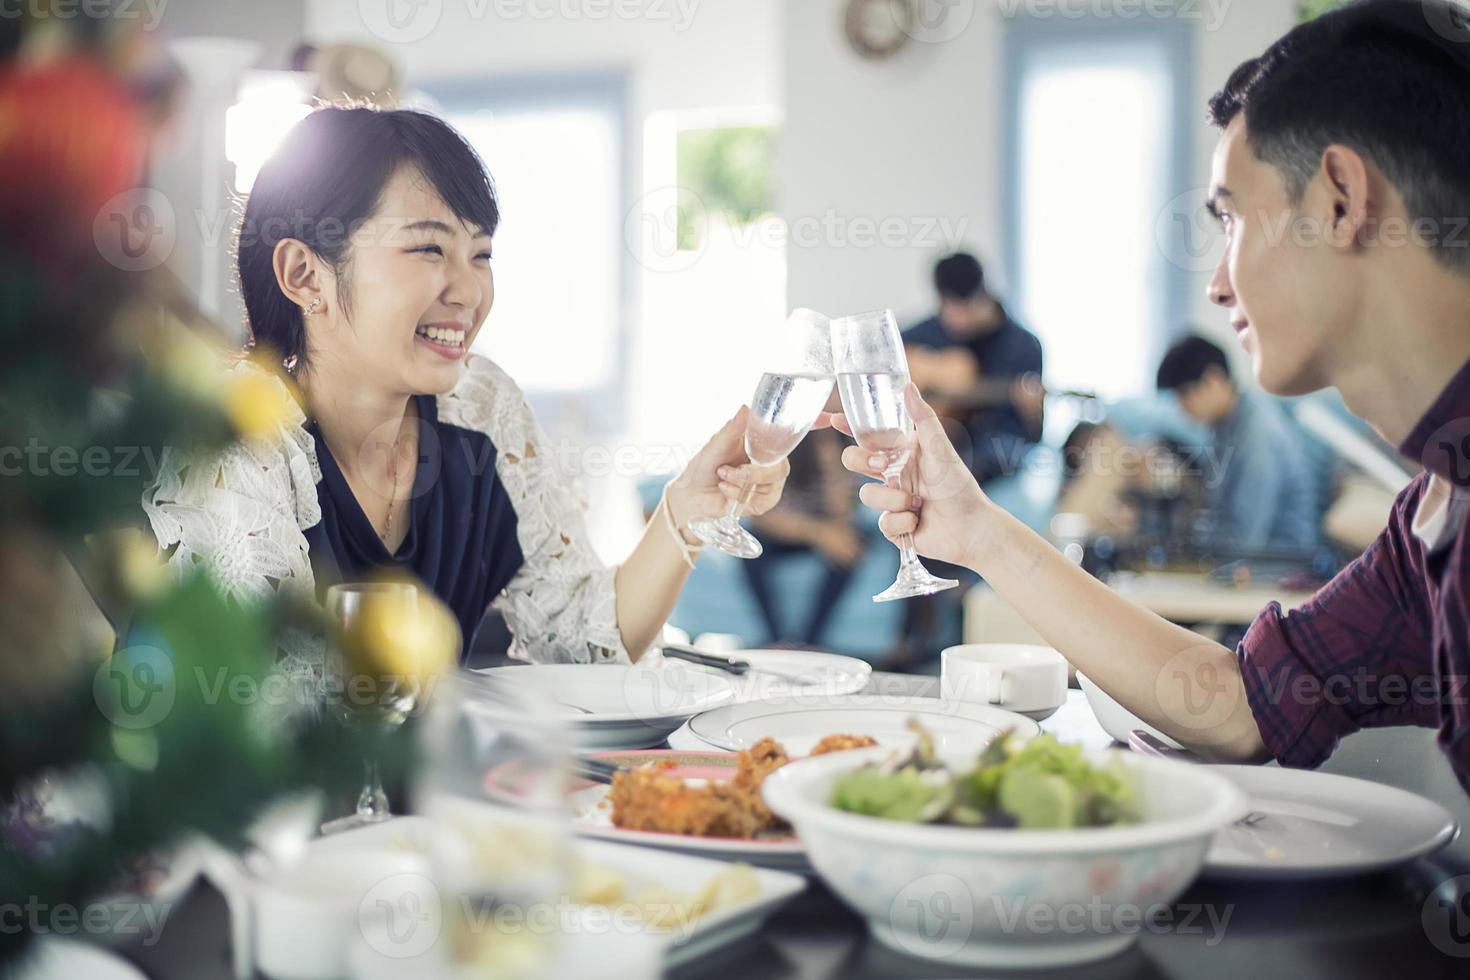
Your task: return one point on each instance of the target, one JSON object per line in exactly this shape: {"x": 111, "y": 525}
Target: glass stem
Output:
{"x": 732, "y": 516}
{"x": 892, "y": 477}
{"x": 373, "y": 803}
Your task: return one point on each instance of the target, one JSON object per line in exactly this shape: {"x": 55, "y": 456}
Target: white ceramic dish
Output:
{"x": 1320, "y": 825}
{"x": 616, "y": 706}
{"x": 591, "y": 818}
{"x": 1115, "y": 719}
{"x": 594, "y": 949}
{"x": 1027, "y": 679}
{"x": 828, "y": 674}
{"x": 800, "y": 723}
{"x": 1008, "y": 899}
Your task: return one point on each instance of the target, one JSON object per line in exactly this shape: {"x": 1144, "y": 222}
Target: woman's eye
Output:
{"x": 429, "y": 250}
{"x": 485, "y": 255}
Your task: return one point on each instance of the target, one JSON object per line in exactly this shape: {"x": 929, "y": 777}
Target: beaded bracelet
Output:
{"x": 690, "y": 552}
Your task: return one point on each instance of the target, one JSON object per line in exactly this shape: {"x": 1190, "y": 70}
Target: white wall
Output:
{"x": 919, "y": 137}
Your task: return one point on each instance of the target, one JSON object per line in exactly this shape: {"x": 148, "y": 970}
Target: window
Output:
{"x": 712, "y": 259}
{"x": 1097, "y": 152}
{"x": 555, "y": 150}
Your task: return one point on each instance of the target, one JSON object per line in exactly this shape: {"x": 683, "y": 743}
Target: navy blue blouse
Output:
{"x": 461, "y": 540}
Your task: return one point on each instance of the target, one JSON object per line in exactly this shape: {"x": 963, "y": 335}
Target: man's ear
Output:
{"x": 298, "y": 273}
{"x": 1345, "y": 184}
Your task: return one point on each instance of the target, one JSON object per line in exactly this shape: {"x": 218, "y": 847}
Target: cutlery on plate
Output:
{"x": 1141, "y": 741}
{"x": 730, "y": 666}
{"x": 1146, "y": 744}
{"x": 596, "y": 770}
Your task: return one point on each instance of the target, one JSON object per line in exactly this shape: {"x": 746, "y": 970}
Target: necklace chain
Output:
{"x": 392, "y": 498}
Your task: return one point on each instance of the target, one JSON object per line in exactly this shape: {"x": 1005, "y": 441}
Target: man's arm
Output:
{"x": 1176, "y": 680}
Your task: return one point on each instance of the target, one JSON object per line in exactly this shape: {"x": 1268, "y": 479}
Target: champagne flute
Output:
{"x": 494, "y": 780}
{"x": 389, "y": 640}
{"x": 872, "y": 373}
{"x": 787, "y": 402}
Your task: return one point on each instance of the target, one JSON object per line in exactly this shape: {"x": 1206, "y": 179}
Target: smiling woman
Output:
{"x": 365, "y": 263}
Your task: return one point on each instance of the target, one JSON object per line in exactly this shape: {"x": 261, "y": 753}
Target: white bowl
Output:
{"x": 1115, "y": 719}
{"x": 1004, "y": 899}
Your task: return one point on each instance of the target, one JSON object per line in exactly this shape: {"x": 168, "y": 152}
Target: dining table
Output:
{"x": 1412, "y": 921}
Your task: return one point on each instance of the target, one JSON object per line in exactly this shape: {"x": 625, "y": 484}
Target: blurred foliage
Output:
{"x": 103, "y": 368}
{"x": 1312, "y": 9}
{"x": 729, "y": 170}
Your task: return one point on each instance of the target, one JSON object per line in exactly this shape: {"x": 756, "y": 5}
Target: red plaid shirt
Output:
{"x": 1387, "y": 642}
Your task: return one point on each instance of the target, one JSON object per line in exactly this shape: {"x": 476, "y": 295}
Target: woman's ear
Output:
{"x": 298, "y": 273}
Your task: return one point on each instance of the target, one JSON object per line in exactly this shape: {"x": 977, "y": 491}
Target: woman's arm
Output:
{"x": 1176, "y": 680}
{"x": 649, "y": 582}
{"x": 564, "y": 605}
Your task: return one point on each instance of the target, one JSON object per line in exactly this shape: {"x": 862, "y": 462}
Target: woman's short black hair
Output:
{"x": 324, "y": 181}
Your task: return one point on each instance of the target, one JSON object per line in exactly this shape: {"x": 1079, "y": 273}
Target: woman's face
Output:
{"x": 419, "y": 288}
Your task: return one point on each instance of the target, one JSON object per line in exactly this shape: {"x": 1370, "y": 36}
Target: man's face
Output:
{"x": 1289, "y": 292}
{"x": 963, "y": 318}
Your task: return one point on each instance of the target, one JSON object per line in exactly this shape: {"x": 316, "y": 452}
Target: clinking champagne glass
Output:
{"x": 787, "y": 401}
{"x": 872, "y": 373}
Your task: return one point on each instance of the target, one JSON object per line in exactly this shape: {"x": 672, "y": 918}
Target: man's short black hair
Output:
{"x": 1388, "y": 78}
{"x": 959, "y": 276}
{"x": 1186, "y": 362}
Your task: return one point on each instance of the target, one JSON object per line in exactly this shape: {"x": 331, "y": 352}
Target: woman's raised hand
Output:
{"x": 721, "y": 472}
{"x": 946, "y": 507}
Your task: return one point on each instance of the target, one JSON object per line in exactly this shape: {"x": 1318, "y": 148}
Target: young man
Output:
{"x": 1263, "y": 496}
{"x": 972, "y": 358}
{"x": 1341, "y": 184}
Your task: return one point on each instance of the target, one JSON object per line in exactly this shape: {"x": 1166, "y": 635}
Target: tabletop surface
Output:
{"x": 1387, "y": 925}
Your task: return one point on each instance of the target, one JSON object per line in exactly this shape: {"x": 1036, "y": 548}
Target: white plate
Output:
{"x": 591, "y": 819}
{"x": 685, "y": 873}
{"x": 1318, "y": 825}
{"x": 822, "y": 673}
{"x": 799, "y": 723}
{"x": 616, "y": 706}
{"x": 55, "y": 958}
{"x": 587, "y": 951}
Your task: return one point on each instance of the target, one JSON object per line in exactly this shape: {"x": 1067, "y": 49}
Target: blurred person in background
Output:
{"x": 980, "y": 367}
{"x": 1263, "y": 496}
{"x": 815, "y": 516}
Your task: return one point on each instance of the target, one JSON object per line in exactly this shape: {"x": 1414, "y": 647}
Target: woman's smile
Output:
{"x": 447, "y": 338}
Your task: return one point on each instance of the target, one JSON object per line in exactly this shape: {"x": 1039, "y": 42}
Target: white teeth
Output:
{"x": 443, "y": 335}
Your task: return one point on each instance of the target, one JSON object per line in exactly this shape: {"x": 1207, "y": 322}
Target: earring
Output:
{"x": 311, "y": 307}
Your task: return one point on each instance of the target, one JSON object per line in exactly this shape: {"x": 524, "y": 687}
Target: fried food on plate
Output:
{"x": 648, "y": 798}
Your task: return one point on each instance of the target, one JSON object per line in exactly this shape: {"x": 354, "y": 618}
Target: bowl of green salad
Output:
{"x": 1034, "y": 853}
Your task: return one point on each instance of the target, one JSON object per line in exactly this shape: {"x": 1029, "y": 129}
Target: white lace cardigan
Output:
{"x": 241, "y": 513}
